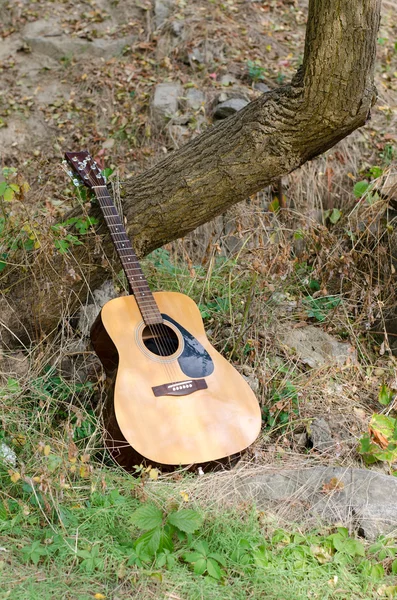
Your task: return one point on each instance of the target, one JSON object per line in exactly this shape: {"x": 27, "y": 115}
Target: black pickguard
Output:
{"x": 194, "y": 360}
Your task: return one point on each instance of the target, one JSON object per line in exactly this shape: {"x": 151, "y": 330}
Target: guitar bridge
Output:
{"x": 180, "y": 388}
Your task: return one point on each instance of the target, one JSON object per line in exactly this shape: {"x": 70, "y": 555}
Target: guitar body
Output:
{"x": 188, "y": 407}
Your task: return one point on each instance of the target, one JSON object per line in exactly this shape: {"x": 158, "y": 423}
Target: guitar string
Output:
{"x": 162, "y": 343}
{"x": 153, "y": 328}
{"x": 100, "y": 196}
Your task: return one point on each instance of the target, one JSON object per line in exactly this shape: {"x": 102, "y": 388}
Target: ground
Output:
{"x": 84, "y": 75}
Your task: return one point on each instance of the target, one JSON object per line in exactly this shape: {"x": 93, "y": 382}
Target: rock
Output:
{"x": 262, "y": 87}
{"x": 227, "y": 80}
{"x": 389, "y": 188}
{"x": 8, "y": 455}
{"x": 194, "y": 98}
{"x": 196, "y": 56}
{"x": 162, "y": 10}
{"x": 357, "y": 497}
{"x": 253, "y": 382}
{"x": 320, "y": 435}
{"x": 316, "y": 348}
{"x": 229, "y": 107}
{"x": 300, "y": 441}
{"x": 165, "y": 101}
{"x": 89, "y": 312}
{"x": 46, "y": 37}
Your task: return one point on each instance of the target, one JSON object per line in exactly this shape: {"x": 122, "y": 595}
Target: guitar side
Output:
{"x": 207, "y": 425}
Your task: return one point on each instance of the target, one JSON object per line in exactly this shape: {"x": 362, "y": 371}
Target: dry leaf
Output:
{"x": 14, "y": 476}
{"x": 379, "y": 438}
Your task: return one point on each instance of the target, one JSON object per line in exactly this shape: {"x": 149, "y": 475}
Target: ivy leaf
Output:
{"x": 186, "y": 520}
{"x": 147, "y": 516}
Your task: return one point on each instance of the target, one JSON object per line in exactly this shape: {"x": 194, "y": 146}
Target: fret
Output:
{"x": 143, "y": 295}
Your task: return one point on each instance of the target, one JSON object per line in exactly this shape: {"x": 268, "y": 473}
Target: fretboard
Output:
{"x": 140, "y": 287}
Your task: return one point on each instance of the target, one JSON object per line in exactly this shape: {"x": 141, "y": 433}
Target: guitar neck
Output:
{"x": 140, "y": 287}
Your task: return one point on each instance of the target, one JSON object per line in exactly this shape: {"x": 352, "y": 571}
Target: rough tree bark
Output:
{"x": 330, "y": 96}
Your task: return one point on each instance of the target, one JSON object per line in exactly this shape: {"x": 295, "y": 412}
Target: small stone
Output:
{"x": 316, "y": 348}
{"x": 194, "y": 98}
{"x": 8, "y": 455}
{"x": 196, "y": 56}
{"x": 320, "y": 435}
{"x": 261, "y": 87}
{"x": 165, "y": 101}
{"x": 253, "y": 382}
{"x": 229, "y": 107}
{"x": 300, "y": 440}
{"x": 227, "y": 80}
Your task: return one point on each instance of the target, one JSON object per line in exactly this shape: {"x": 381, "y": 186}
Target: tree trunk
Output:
{"x": 329, "y": 97}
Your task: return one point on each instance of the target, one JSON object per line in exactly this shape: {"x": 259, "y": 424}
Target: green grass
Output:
{"x": 77, "y": 549}
{"x": 66, "y": 513}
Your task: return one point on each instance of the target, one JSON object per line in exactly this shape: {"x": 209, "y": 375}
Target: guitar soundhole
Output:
{"x": 160, "y": 339}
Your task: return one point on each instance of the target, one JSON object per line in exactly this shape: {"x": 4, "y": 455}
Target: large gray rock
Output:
{"x": 165, "y": 102}
{"x": 46, "y": 37}
{"x": 229, "y": 107}
{"x": 316, "y": 348}
{"x": 358, "y": 497}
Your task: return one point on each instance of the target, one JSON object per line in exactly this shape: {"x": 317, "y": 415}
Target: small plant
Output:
{"x": 283, "y": 405}
{"x": 63, "y": 239}
{"x": 204, "y": 561}
{"x": 319, "y": 308}
{"x": 255, "y": 71}
{"x": 380, "y": 443}
{"x": 161, "y": 529}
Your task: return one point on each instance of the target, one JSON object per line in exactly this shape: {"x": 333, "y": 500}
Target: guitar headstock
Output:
{"x": 86, "y": 168}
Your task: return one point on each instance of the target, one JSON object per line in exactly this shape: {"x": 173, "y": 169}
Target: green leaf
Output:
{"x": 385, "y": 395}
{"x": 213, "y": 569}
{"x": 360, "y": 188}
{"x": 335, "y": 216}
{"x": 3, "y": 187}
{"x": 15, "y": 187}
{"x": 147, "y": 517}
{"x": 8, "y": 194}
{"x": 200, "y": 566}
{"x": 186, "y": 520}
{"x": 354, "y": 548}
{"x": 377, "y": 571}
{"x": 191, "y": 557}
{"x": 202, "y": 547}
{"x": 220, "y": 559}
{"x": 150, "y": 541}
{"x": 62, "y": 246}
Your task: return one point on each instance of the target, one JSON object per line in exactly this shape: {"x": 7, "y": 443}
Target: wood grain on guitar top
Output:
{"x": 206, "y": 425}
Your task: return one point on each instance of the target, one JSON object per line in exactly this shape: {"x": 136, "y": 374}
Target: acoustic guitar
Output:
{"x": 173, "y": 399}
